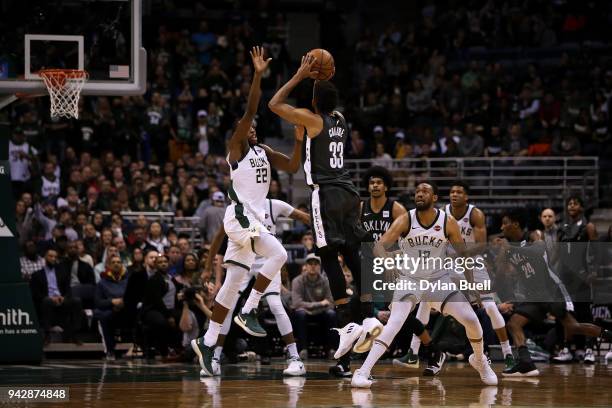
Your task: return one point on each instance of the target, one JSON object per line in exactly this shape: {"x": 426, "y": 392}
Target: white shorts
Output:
{"x": 435, "y": 291}
{"x": 273, "y": 287}
{"x": 240, "y": 243}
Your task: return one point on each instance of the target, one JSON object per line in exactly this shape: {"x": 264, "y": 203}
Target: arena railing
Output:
{"x": 495, "y": 182}
{"x": 186, "y": 225}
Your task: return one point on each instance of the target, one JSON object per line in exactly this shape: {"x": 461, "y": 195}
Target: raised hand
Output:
{"x": 259, "y": 63}
{"x": 306, "y": 68}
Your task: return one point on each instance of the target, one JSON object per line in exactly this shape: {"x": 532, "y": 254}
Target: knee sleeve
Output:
{"x": 278, "y": 310}
{"x": 274, "y": 252}
{"x": 229, "y": 293}
{"x": 464, "y": 314}
{"x": 497, "y": 320}
{"x": 399, "y": 314}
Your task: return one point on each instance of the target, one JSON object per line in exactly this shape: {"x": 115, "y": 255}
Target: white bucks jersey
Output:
{"x": 274, "y": 209}
{"x": 465, "y": 225}
{"x": 425, "y": 245}
{"x": 250, "y": 185}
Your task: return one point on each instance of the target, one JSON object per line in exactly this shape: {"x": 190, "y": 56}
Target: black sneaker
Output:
{"x": 521, "y": 369}
{"x": 250, "y": 323}
{"x": 205, "y": 355}
{"x": 435, "y": 364}
{"x": 341, "y": 370}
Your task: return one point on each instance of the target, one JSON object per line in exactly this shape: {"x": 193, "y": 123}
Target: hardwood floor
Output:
{"x": 136, "y": 383}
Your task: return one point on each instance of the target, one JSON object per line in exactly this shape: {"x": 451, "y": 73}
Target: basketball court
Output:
{"x": 138, "y": 383}
{"x": 95, "y": 48}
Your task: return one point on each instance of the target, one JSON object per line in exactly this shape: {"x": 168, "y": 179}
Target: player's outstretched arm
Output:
{"x": 298, "y": 116}
{"x": 280, "y": 161}
{"x": 300, "y": 215}
{"x": 244, "y": 124}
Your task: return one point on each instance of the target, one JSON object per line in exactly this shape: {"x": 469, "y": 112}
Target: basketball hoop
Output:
{"x": 64, "y": 86}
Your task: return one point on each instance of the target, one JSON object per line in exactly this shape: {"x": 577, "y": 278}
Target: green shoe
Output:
{"x": 509, "y": 362}
{"x": 205, "y": 356}
{"x": 409, "y": 360}
{"x": 250, "y": 324}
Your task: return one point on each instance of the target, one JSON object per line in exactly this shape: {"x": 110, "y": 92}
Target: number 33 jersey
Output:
{"x": 323, "y": 155}
{"x": 250, "y": 183}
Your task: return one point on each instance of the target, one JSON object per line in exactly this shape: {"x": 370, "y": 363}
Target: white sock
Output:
{"x": 252, "y": 302}
{"x": 415, "y": 344}
{"x": 374, "y": 355}
{"x": 505, "y": 346}
{"x": 218, "y": 351}
{"x": 210, "y": 338}
{"x": 292, "y": 349}
{"x": 478, "y": 347}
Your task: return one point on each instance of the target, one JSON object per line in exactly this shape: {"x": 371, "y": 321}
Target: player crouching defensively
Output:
{"x": 424, "y": 231}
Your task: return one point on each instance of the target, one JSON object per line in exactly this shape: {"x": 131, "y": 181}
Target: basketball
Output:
{"x": 324, "y": 64}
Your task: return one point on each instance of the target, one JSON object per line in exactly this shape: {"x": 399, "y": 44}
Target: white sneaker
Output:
{"x": 348, "y": 335}
{"x": 589, "y": 357}
{"x": 483, "y": 366}
{"x": 564, "y": 356}
{"x": 296, "y": 368}
{"x": 216, "y": 366}
{"x": 608, "y": 356}
{"x": 372, "y": 328}
{"x": 360, "y": 380}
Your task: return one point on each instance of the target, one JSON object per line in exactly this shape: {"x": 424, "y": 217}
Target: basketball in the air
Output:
{"x": 324, "y": 64}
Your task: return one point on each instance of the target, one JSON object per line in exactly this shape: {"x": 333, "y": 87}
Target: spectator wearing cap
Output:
{"x": 212, "y": 217}
{"x": 21, "y": 158}
{"x": 312, "y": 302}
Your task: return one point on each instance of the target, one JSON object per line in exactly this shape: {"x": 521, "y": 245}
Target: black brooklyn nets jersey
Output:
{"x": 532, "y": 270}
{"x": 376, "y": 223}
{"x": 323, "y": 156}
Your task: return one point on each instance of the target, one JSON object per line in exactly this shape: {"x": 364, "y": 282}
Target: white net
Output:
{"x": 64, "y": 86}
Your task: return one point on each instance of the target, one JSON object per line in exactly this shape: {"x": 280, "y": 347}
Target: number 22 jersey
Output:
{"x": 250, "y": 183}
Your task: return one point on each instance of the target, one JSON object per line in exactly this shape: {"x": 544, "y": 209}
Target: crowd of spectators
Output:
{"x": 485, "y": 78}
{"x": 418, "y": 90}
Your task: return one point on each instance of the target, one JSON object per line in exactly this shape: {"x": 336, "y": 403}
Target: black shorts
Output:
{"x": 536, "y": 312}
{"x": 335, "y": 216}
